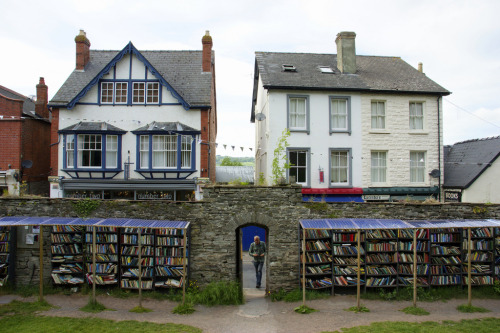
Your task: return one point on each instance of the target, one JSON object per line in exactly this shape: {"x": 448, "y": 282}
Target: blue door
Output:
{"x": 249, "y": 233}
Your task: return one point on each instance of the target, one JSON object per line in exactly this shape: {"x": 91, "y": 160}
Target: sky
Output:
{"x": 457, "y": 41}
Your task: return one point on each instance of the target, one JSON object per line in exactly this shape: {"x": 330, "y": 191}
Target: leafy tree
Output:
{"x": 227, "y": 161}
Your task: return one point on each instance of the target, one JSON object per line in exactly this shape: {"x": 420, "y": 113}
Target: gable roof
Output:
{"x": 166, "y": 127}
{"x": 28, "y": 105}
{"x": 92, "y": 127}
{"x": 373, "y": 73}
{"x": 465, "y": 161}
{"x": 180, "y": 71}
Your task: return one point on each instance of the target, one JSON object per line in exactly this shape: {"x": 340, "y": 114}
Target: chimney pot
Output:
{"x": 420, "y": 67}
{"x": 82, "y": 50}
{"x": 206, "y": 61}
{"x": 346, "y": 52}
{"x": 42, "y": 99}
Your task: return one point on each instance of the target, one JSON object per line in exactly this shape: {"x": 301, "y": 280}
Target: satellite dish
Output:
{"x": 434, "y": 173}
{"x": 27, "y": 164}
{"x": 260, "y": 116}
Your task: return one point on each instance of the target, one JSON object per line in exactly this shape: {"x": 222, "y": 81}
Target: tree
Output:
{"x": 227, "y": 161}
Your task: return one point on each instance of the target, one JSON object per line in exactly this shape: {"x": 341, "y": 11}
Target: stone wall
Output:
{"x": 216, "y": 220}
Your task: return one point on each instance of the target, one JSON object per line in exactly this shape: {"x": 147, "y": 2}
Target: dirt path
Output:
{"x": 259, "y": 314}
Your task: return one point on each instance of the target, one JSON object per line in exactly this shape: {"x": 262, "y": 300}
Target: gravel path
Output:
{"x": 259, "y": 314}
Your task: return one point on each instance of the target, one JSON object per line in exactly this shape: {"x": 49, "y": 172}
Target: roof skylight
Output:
{"x": 289, "y": 68}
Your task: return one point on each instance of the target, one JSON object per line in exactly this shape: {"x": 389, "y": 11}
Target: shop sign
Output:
{"x": 452, "y": 196}
{"x": 376, "y": 197}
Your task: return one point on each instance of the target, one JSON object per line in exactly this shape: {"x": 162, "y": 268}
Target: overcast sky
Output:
{"x": 458, "y": 43}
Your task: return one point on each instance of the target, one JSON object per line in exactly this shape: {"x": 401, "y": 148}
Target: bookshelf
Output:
{"x": 445, "y": 255}
{"x": 345, "y": 256}
{"x": 482, "y": 256}
{"x": 67, "y": 255}
{"x": 316, "y": 259}
{"x": 136, "y": 268}
{"x": 406, "y": 248}
{"x": 381, "y": 258}
{"x": 7, "y": 246}
{"x": 107, "y": 248}
{"x": 170, "y": 264}
{"x": 497, "y": 253}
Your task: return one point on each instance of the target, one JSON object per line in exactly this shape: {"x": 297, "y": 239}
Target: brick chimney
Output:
{"x": 42, "y": 99}
{"x": 206, "y": 61}
{"x": 82, "y": 50}
{"x": 346, "y": 52}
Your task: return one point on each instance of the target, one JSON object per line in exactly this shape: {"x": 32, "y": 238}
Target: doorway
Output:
{"x": 245, "y": 268}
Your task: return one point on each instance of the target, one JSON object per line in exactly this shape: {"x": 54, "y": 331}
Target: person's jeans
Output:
{"x": 258, "y": 271}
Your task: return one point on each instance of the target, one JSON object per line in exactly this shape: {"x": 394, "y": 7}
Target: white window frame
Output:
{"x": 295, "y": 168}
{"x": 144, "y": 152}
{"x": 186, "y": 151}
{"x": 93, "y": 146}
{"x": 121, "y": 92}
{"x": 292, "y": 117}
{"x": 138, "y": 92}
{"x": 111, "y": 151}
{"x": 416, "y": 120}
{"x": 70, "y": 151}
{"x": 417, "y": 166}
{"x": 164, "y": 152}
{"x": 151, "y": 88}
{"x": 109, "y": 88}
{"x": 378, "y": 115}
{"x": 334, "y": 103}
{"x": 337, "y": 168}
{"x": 378, "y": 167}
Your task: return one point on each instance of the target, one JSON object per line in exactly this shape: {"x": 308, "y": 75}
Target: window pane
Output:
{"x": 338, "y": 114}
{"x": 111, "y": 151}
{"x": 186, "y": 142}
{"x": 417, "y": 167}
{"x": 138, "y": 92}
{"x": 153, "y": 92}
{"x": 339, "y": 171}
{"x": 164, "y": 151}
{"x": 70, "y": 151}
{"x": 144, "y": 151}
{"x": 121, "y": 92}
{"x": 107, "y": 92}
{"x": 298, "y": 165}
{"x": 378, "y": 115}
{"x": 297, "y": 113}
{"x": 89, "y": 150}
{"x": 416, "y": 116}
{"x": 378, "y": 167}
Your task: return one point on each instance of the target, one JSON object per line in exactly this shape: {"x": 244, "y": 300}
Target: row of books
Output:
{"x": 67, "y": 228}
{"x": 443, "y": 250}
{"x": 168, "y": 271}
{"x": 318, "y": 257}
{"x": 4, "y": 258}
{"x": 445, "y": 238}
{"x": 318, "y": 245}
{"x": 4, "y": 247}
{"x": 102, "y": 248}
{"x": 480, "y": 232}
{"x": 104, "y": 257}
{"x": 134, "y": 261}
{"x": 477, "y": 269}
{"x": 347, "y": 250}
{"x": 170, "y": 232}
{"x": 407, "y": 281}
{"x": 319, "y": 283}
{"x": 134, "y": 284}
{"x": 421, "y": 233}
{"x": 479, "y": 256}
{"x": 170, "y": 283}
{"x": 377, "y": 282}
{"x": 170, "y": 261}
{"x": 102, "y": 238}
{"x": 380, "y": 234}
{"x": 352, "y": 237}
{"x": 408, "y": 269}
{"x": 108, "y": 268}
{"x": 66, "y": 249}
{"x": 101, "y": 229}
{"x": 66, "y": 279}
{"x": 409, "y": 246}
{"x": 380, "y": 258}
{"x": 134, "y": 250}
{"x": 67, "y": 258}
{"x": 446, "y": 280}
{"x": 318, "y": 233}
{"x": 478, "y": 280}
{"x": 451, "y": 260}
{"x": 66, "y": 238}
{"x": 102, "y": 279}
{"x": 347, "y": 260}
{"x": 133, "y": 239}
{"x": 4, "y": 236}
{"x": 349, "y": 270}
{"x": 380, "y": 247}
{"x": 445, "y": 270}
{"x": 407, "y": 257}
{"x": 169, "y": 241}
{"x": 169, "y": 252}
{"x": 381, "y": 270}
{"x": 146, "y": 272}
{"x": 68, "y": 269}
{"x": 346, "y": 281}
{"x": 484, "y": 245}
{"x": 136, "y": 230}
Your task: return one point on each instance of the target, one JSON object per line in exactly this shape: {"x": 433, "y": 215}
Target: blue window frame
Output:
{"x": 129, "y": 92}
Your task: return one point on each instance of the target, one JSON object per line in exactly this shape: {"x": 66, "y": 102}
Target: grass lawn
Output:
{"x": 31, "y": 323}
{"x": 475, "y": 325}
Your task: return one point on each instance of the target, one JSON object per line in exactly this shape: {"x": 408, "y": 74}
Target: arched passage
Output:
{"x": 244, "y": 263}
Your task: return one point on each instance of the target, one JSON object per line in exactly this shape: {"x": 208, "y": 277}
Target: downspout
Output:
{"x": 439, "y": 149}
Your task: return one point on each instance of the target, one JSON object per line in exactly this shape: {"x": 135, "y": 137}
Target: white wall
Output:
{"x": 398, "y": 140}
{"x": 319, "y": 140}
{"x": 485, "y": 188}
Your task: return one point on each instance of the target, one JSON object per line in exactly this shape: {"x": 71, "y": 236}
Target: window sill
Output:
{"x": 375, "y": 131}
{"x": 340, "y": 186}
{"x": 299, "y": 131}
{"x": 340, "y": 132}
{"x": 417, "y": 132}
{"x": 165, "y": 170}
{"x": 80, "y": 169}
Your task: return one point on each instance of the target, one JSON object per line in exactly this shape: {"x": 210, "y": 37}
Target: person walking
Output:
{"x": 258, "y": 251}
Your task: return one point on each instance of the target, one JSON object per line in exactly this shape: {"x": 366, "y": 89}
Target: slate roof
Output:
{"x": 181, "y": 69}
{"x": 28, "y": 105}
{"x": 374, "y": 73}
{"x": 92, "y": 127}
{"x": 166, "y": 127}
{"x": 465, "y": 161}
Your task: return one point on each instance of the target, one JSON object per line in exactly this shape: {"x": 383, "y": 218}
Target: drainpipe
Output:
{"x": 439, "y": 149}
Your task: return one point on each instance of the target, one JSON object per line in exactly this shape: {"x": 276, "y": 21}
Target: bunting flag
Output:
{"x": 225, "y": 147}
{"x": 232, "y": 147}
{"x": 241, "y": 148}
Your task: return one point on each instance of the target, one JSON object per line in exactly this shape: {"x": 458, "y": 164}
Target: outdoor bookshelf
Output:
{"x": 482, "y": 256}
{"x": 497, "y": 253}
{"x": 7, "y": 250}
{"x": 317, "y": 259}
{"x": 345, "y": 255}
{"x": 67, "y": 254}
{"x": 170, "y": 258}
{"x": 135, "y": 263}
{"x": 406, "y": 252}
{"x": 381, "y": 258}
{"x": 107, "y": 250}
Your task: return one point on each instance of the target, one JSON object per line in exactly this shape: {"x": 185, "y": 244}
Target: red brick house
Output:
{"x": 24, "y": 141}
